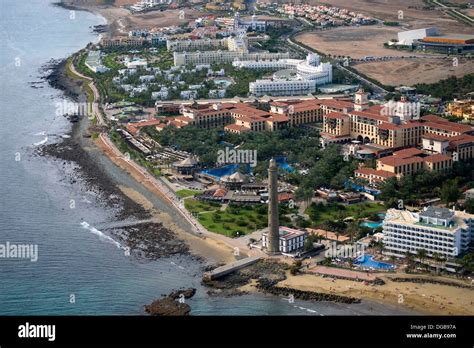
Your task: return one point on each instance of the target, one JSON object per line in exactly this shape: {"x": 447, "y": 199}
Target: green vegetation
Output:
{"x": 449, "y": 88}
{"x": 235, "y": 220}
{"x": 187, "y": 193}
{"x": 469, "y": 206}
{"x": 135, "y": 155}
{"x": 326, "y": 168}
{"x": 426, "y": 185}
{"x": 273, "y": 43}
{"x": 109, "y": 61}
{"x": 85, "y": 82}
{"x": 466, "y": 264}
{"x": 299, "y": 145}
{"x": 320, "y": 213}
{"x": 242, "y": 78}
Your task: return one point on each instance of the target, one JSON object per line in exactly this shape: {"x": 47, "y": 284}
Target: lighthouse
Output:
{"x": 273, "y": 245}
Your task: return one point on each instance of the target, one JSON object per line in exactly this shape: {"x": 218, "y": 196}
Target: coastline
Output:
{"x": 81, "y": 149}
{"x": 211, "y": 249}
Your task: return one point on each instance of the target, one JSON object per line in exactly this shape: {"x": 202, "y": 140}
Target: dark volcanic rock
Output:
{"x": 150, "y": 240}
{"x": 187, "y": 293}
{"x": 167, "y": 307}
{"x": 269, "y": 286}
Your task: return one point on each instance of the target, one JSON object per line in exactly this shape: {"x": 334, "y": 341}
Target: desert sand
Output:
{"x": 413, "y": 71}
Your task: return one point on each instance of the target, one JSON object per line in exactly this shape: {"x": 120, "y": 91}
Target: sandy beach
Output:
{"x": 433, "y": 299}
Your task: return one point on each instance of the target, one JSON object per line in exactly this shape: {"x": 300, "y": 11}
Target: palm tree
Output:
{"x": 421, "y": 254}
{"x": 409, "y": 259}
{"x": 438, "y": 258}
{"x": 352, "y": 229}
{"x": 380, "y": 247}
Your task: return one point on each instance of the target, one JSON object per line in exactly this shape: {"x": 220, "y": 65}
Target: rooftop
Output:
{"x": 437, "y": 212}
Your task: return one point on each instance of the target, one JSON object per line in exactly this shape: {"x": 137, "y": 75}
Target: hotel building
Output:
{"x": 281, "y": 87}
{"x": 210, "y": 57}
{"x": 462, "y": 109}
{"x": 290, "y": 239}
{"x": 298, "y": 77}
{"x": 436, "y": 230}
{"x": 243, "y": 117}
{"x": 230, "y": 43}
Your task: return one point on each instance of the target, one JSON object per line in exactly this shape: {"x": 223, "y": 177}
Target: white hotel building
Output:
{"x": 211, "y": 57}
{"x": 298, "y": 77}
{"x": 281, "y": 87}
{"x": 290, "y": 239}
{"x": 436, "y": 230}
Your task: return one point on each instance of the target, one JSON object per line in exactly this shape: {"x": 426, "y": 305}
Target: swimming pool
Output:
{"x": 232, "y": 168}
{"x": 367, "y": 261}
{"x": 223, "y": 83}
{"x": 220, "y": 172}
{"x": 283, "y": 164}
{"x": 372, "y": 224}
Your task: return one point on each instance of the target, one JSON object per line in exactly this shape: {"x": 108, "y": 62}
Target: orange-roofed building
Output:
{"x": 373, "y": 176}
{"x": 438, "y": 162}
{"x": 234, "y": 128}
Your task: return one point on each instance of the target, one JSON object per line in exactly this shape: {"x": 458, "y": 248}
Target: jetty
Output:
{"x": 231, "y": 267}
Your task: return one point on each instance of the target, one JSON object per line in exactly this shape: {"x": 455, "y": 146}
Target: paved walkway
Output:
{"x": 240, "y": 243}
{"x": 343, "y": 273}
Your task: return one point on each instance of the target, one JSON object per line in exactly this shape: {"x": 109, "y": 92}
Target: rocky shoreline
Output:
{"x": 267, "y": 274}
{"x": 230, "y": 284}
{"x": 431, "y": 281}
{"x": 269, "y": 287}
{"x": 172, "y": 304}
{"x": 149, "y": 241}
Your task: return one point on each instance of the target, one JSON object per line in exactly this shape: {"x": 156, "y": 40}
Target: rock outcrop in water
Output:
{"x": 170, "y": 305}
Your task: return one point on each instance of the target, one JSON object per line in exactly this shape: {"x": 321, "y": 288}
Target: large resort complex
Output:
{"x": 283, "y": 154}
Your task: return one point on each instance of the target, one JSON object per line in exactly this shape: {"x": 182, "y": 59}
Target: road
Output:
{"x": 95, "y": 104}
{"x": 455, "y": 11}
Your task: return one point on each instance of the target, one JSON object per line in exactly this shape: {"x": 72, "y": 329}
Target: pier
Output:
{"x": 231, "y": 267}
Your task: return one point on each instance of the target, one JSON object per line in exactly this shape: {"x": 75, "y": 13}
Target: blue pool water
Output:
{"x": 220, "y": 172}
{"x": 283, "y": 164}
{"x": 222, "y": 83}
{"x": 368, "y": 262}
{"x": 232, "y": 168}
{"x": 371, "y": 224}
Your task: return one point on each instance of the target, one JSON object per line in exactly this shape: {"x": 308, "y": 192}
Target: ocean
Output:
{"x": 80, "y": 270}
